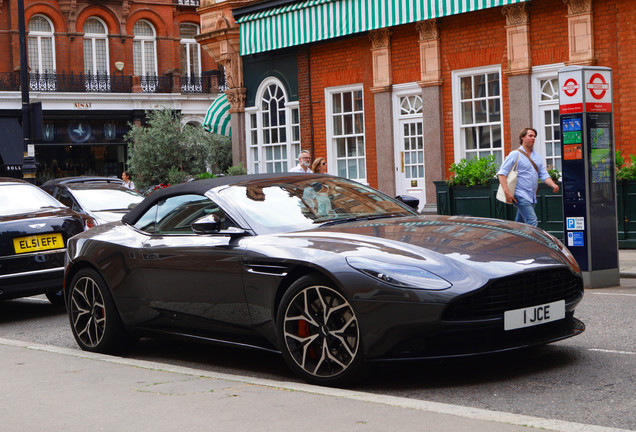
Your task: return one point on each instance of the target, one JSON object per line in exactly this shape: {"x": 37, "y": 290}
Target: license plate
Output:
{"x": 38, "y": 242}
{"x": 534, "y": 315}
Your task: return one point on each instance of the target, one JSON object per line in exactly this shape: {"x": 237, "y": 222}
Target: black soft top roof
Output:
{"x": 200, "y": 187}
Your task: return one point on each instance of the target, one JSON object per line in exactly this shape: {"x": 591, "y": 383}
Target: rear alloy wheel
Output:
{"x": 319, "y": 332}
{"x": 94, "y": 319}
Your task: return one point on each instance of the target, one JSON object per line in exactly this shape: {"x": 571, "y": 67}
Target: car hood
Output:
{"x": 452, "y": 247}
{"x": 108, "y": 216}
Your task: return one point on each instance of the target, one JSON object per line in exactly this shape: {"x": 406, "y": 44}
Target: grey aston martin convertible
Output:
{"x": 329, "y": 272}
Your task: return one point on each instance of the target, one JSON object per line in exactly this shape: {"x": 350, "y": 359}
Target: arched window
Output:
{"x": 144, "y": 49}
{"x": 41, "y": 45}
{"x": 95, "y": 47}
{"x": 273, "y": 130}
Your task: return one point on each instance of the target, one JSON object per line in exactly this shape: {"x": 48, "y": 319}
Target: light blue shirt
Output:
{"x": 527, "y": 177}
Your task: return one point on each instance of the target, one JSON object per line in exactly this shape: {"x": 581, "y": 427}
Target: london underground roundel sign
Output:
{"x": 598, "y": 91}
{"x": 570, "y": 92}
{"x": 597, "y": 86}
{"x": 571, "y": 87}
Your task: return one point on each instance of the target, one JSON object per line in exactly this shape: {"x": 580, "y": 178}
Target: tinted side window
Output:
{"x": 147, "y": 221}
{"x": 65, "y": 198}
{"x": 176, "y": 214}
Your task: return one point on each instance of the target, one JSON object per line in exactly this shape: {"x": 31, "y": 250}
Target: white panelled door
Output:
{"x": 409, "y": 147}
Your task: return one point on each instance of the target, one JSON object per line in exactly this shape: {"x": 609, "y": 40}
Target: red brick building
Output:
{"x": 96, "y": 66}
{"x": 393, "y": 92}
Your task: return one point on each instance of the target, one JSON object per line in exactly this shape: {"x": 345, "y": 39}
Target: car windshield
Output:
{"x": 277, "y": 205}
{"x": 24, "y": 198}
{"x": 107, "y": 199}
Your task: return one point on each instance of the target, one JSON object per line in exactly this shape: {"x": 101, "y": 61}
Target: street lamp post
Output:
{"x": 28, "y": 163}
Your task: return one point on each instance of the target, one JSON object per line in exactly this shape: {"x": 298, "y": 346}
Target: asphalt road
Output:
{"x": 588, "y": 379}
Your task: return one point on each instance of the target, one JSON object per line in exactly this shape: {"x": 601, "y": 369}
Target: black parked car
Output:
{"x": 327, "y": 271}
{"x": 99, "y": 199}
{"x": 34, "y": 230}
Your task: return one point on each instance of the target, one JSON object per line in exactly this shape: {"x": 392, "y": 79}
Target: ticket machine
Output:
{"x": 589, "y": 176}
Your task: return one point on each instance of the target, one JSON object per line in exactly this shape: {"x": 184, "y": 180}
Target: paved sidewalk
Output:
{"x": 55, "y": 389}
{"x": 627, "y": 263}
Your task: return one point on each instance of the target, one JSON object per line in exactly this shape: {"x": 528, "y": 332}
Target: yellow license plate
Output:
{"x": 38, "y": 242}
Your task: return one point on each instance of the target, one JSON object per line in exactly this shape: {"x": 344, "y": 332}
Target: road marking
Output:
{"x": 395, "y": 401}
{"x": 612, "y": 351}
{"x": 614, "y": 294}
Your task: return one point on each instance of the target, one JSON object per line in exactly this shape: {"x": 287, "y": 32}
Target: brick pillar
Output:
{"x": 431, "y": 83}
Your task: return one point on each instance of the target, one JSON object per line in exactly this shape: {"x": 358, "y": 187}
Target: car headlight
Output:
{"x": 400, "y": 275}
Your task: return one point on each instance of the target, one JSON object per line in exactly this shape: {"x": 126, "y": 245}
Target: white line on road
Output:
{"x": 613, "y": 294}
{"x": 435, "y": 407}
{"x": 612, "y": 351}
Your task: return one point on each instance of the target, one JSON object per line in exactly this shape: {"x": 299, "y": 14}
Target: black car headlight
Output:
{"x": 405, "y": 276}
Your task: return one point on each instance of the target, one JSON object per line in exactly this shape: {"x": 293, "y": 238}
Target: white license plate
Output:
{"x": 534, "y": 315}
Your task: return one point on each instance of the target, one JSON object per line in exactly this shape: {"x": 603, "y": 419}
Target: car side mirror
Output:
{"x": 210, "y": 224}
{"x": 410, "y": 201}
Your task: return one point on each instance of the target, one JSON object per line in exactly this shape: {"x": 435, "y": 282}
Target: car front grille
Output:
{"x": 515, "y": 292}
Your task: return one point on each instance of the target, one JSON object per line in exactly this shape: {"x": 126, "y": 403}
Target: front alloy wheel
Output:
{"x": 320, "y": 333}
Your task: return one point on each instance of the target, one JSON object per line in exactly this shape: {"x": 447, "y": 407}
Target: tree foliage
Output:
{"x": 166, "y": 151}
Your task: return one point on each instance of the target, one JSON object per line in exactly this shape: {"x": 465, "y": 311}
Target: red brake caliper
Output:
{"x": 303, "y": 331}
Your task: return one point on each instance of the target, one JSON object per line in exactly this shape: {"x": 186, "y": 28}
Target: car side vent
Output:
{"x": 516, "y": 292}
{"x": 266, "y": 269}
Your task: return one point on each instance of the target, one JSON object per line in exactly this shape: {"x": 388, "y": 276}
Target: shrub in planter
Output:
{"x": 555, "y": 175}
{"x": 473, "y": 172}
{"x": 625, "y": 171}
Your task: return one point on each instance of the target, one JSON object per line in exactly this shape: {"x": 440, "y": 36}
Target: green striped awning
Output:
{"x": 217, "y": 119}
{"x": 316, "y": 20}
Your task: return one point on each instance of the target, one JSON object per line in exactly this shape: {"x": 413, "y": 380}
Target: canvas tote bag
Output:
{"x": 512, "y": 182}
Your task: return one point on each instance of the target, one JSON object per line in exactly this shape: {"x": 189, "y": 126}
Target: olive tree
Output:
{"x": 165, "y": 151}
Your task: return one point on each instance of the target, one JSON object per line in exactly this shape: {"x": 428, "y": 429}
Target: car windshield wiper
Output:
{"x": 356, "y": 218}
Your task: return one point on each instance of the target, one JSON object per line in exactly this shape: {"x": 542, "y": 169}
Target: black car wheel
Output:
{"x": 319, "y": 333}
{"x": 56, "y": 298}
{"x": 95, "y": 322}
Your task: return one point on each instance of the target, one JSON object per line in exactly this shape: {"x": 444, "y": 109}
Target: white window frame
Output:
{"x": 93, "y": 38}
{"x": 459, "y": 144}
{"x": 144, "y": 40}
{"x": 191, "y": 45}
{"x": 332, "y": 149}
{"x": 540, "y": 73}
{"x": 39, "y": 35}
{"x": 256, "y": 165}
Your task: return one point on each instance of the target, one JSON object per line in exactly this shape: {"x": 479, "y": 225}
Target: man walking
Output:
{"x": 530, "y": 169}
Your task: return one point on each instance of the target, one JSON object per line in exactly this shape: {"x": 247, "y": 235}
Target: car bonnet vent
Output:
{"x": 268, "y": 269}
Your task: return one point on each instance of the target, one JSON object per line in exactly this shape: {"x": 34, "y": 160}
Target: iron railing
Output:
{"x": 187, "y": 2}
{"x": 217, "y": 79}
{"x": 209, "y": 82}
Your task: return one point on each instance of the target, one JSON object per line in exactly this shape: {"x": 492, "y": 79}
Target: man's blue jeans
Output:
{"x": 525, "y": 212}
